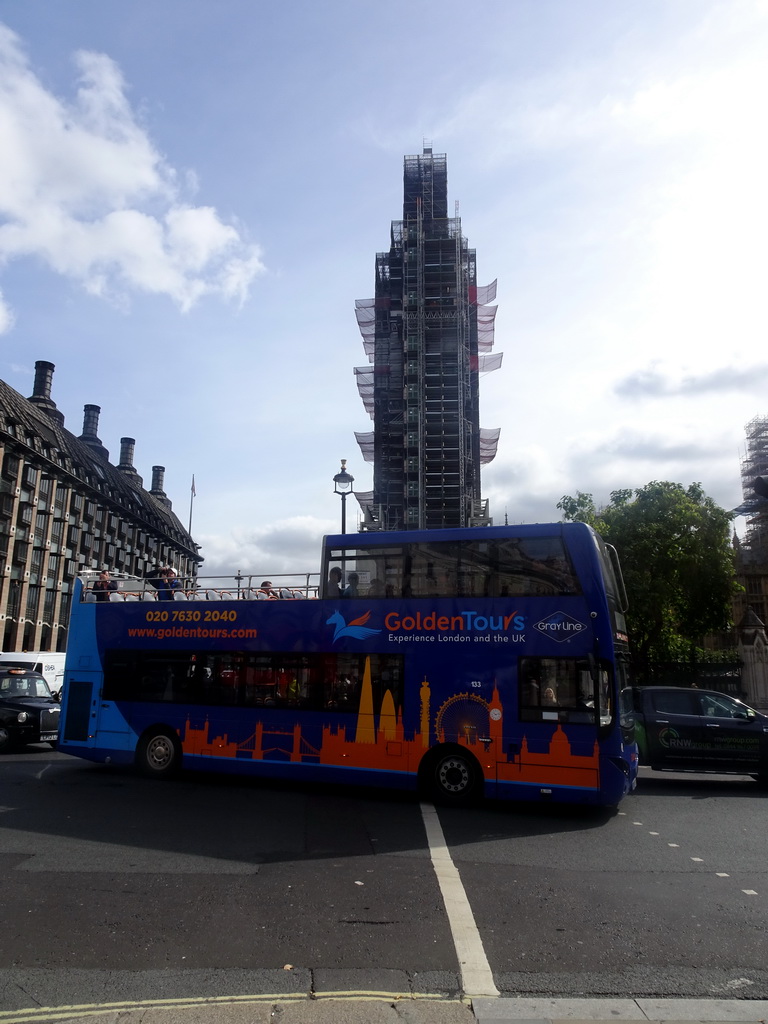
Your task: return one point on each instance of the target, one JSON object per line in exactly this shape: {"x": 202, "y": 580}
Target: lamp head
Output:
{"x": 342, "y": 481}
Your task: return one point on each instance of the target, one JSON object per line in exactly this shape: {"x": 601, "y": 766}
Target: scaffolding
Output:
{"x": 428, "y": 335}
{"x": 754, "y": 464}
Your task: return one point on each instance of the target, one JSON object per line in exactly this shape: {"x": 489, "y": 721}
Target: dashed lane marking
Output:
{"x": 700, "y": 860}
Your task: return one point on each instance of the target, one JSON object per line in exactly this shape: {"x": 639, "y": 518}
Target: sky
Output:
{"x": 192, "y": 196}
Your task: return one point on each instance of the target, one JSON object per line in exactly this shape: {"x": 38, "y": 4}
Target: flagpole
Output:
{"x": 191, "y": 499}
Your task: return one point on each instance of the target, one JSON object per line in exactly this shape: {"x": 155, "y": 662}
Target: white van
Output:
{"x": 49, "y": 664}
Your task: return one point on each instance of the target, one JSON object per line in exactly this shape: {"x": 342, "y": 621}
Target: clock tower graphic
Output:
{"x": 377, "y": 740}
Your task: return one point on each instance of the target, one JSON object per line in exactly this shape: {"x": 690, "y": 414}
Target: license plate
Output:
{"x": 48, "y": 736}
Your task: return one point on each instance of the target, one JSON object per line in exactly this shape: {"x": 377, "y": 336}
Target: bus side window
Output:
{"x": 560, "y": 689}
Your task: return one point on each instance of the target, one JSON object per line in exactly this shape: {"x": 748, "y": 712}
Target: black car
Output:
{"x": 687, "y": 729}
{"x": 29, "y": 713}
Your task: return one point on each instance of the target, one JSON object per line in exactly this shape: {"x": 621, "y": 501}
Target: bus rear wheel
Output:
{"x": 453, "y": 777}
{"x": 158, "y": 754}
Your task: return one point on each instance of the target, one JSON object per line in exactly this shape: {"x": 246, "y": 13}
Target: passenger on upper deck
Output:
{"x": 267, "y": 588}
{"x": 351, "y": 588}
{"x": 103, "y": 586}
{"x": 333, "y": 587}
{"x": 167, "y": 584}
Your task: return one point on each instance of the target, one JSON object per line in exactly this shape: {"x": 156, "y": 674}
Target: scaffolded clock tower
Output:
{"x": 428, "y": 335}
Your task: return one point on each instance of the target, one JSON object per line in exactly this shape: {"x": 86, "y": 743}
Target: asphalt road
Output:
{"x": 115, "y": 886}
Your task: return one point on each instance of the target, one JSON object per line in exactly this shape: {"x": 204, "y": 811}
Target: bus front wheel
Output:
{"x": 453, "y": 776}
{"x": 158, "y": 754}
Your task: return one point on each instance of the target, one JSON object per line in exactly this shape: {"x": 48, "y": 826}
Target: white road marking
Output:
{"x": 700, "y": 860}
{"x": 476, "y": 975}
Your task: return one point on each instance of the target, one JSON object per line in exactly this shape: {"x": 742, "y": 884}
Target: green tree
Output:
{"x": 677, "y": 560}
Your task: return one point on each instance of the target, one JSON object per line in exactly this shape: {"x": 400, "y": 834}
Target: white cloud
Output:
{"x": 652, "y": 382}
{"x": 639, "y": 264}
{"x": 285, "y": 546}
{"x": 6, "y": 316}
{"x": 83, "y": 188}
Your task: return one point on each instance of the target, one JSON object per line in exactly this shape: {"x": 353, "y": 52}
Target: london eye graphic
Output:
{"x": 464, "y": 716}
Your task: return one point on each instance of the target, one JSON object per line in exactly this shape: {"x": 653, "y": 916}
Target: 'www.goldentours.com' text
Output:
{"x": 193, "y": 633}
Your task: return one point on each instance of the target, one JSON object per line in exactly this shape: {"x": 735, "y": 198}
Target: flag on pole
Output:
{"x": 191, "y": 502}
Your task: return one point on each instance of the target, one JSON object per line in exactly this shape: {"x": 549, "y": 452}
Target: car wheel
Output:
{"x": 453, "y": 777}
{"x": 158, "y": 754}
{"x": 5, "y": 740}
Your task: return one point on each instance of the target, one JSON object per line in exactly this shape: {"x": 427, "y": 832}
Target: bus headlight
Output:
{"x": 22, "y": 717}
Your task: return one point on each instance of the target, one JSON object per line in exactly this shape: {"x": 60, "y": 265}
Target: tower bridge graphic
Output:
{"x": 379, "y": 742}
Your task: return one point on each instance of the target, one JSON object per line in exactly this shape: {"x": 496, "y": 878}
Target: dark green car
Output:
{"x": 687, "y": 729}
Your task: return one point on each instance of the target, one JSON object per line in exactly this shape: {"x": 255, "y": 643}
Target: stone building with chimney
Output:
{"x": 66, "y": 509}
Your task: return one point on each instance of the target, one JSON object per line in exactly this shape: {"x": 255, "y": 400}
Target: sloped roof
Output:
{"x": 751, "y": 620}
{"x": 36, "y": 427}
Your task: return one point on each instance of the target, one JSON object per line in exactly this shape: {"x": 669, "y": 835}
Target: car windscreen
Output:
{"x": 15, "y": 683}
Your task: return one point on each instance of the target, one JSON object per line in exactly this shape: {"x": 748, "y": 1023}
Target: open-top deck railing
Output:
{"x": 242, "y": 587}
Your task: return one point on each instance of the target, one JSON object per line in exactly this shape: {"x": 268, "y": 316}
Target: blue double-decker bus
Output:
{"x": 464, "y": 662}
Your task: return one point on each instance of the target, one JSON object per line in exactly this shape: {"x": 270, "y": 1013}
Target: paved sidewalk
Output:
{"x": 505, "y": 1010}
{"x": 254, "y": 1010}
{"x": 372, "y": 1009}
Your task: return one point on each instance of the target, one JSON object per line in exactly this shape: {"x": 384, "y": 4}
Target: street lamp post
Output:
{"x": 342, "y": 485}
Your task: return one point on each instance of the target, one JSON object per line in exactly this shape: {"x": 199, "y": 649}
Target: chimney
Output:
{"x": 127, "y": 445}
{"x": 90, "y": 434}
{"x": 158, "y": 475}
{"x": 41, "y": 397}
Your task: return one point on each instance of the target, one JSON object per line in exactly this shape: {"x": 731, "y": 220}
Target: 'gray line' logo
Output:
{"x": 560, "y": 626}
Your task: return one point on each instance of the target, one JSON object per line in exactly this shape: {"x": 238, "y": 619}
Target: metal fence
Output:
{"x": 722, "y": 676}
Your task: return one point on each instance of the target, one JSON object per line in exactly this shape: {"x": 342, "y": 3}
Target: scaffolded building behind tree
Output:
{"x": 754, "y": 465}
{"x": 752, "y": 551}
{"x": 428, "y": 334}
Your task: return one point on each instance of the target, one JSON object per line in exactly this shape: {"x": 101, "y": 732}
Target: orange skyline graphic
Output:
{"x": 466, "y": 719}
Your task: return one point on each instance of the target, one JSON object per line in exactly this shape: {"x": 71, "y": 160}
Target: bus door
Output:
{"x": 81, "y": 712}
{"x": 86, "y": 712}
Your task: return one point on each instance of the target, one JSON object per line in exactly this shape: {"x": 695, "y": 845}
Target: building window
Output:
{"x": 10, "y": 467}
